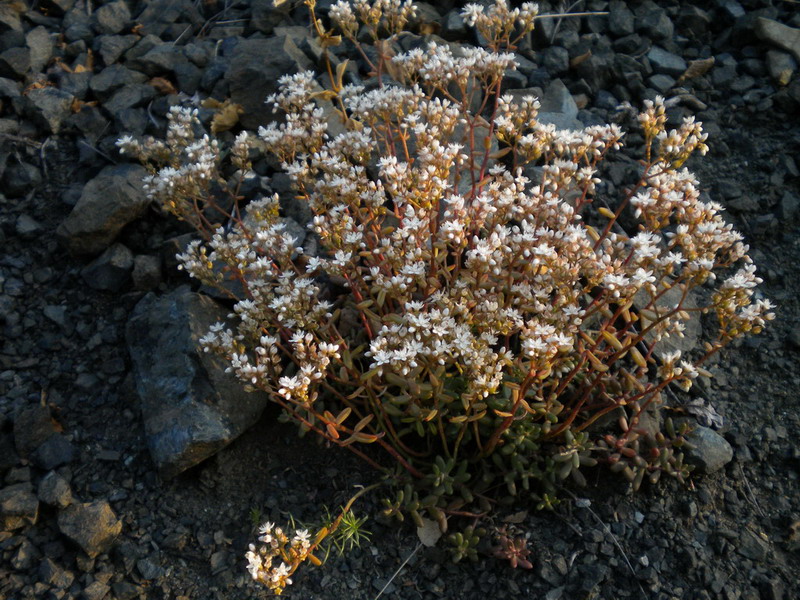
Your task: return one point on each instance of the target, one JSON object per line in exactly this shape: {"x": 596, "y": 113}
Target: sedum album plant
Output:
{"x": 469, "y": 314}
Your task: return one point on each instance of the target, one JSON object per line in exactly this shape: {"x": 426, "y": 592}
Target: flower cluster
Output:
{"x": 471, "y": 311}
{"x": 277, "y": 556}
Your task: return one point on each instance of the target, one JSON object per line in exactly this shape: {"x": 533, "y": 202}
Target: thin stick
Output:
{"x": 20, "y": 139}
{"x": 580, "y": 14}
{"x": 100, "y": 152}
{"x": 397, "y": 572}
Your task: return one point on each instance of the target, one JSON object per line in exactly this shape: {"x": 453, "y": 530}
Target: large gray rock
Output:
{"x": 93, "y": 526}
{"x": 190, "y": 406}
{"x": 109, "y": 202}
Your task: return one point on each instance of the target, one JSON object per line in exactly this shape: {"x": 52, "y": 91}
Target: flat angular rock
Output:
{"x": 710, "y": 450}
{"x": 190, "y": 406}
{"x": 112, "y": 78}
{"x": 15, "y": 62}
{"x": 109, "y": 202}
{"x": 18, "y": 506}
{"x": 666, "y": 62}
{"x": 93, "y": 526}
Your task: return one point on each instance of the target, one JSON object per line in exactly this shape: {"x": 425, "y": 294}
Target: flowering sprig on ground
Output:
{"x": 471, "y": 313}
{"x": 277, "y": 556}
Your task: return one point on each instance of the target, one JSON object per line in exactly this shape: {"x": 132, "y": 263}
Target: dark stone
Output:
{"x": 255, "y": 67}
{"x": 91, "y": 122}
{"x": 590, "y": 576}
{"x": 9, "y": 88}
{"x": 741, "y": 84}
{"x": 149, "y": 568}
{"x": 630, "y": 45}
{"x": 693, "y": 20}
{"x": 49, "y": 107}
{"x": 620, "y": 19}
{"x": 129, "y": 96}
{"x": 558, "y": 107}
{"x": 15, "y": 62}
{"x": 109, "y": 202}
{"x": 32, "y": 427}
{"x": 54, "y": 452}
{"x": 266, "y": 16}
{"x": 595, "y": 71}
{"x": 18, "y": 181}
{"x": 125, "y": 591}
{"x": 110, "y": 79}
{"x": 146, "y": 272}
{"x": 11, "y": 39}
{"x": 8, "y": 454}
{"x": 514, "y": 79}
{"x": 52, "y": 574}
{"x": 77, "y": 25}
{"x": 93, "y": 526}
{"x": 710, "y": 451}
{"x": 142, "y": 47}
{"x": 111, "y": 47}
{"x": 198, "y": 52}
{"x": 555, "y": 59}
{"x": 159, "y": 60}
{"x": 112, "y": 17}
{"x": 55, "y": 490}
{"x": 666, "y": 62}
{"x": 133, "y": 121}
{"x": 97, "y": 590}
{"x": 158, "y": 16}
{"x": 752, "y": 546}
{"x": 76, "y": 84}
{"x": 214, "y": 72}
{"x": 25, "y": 556}
{"x": 109, "y": 271}
{"x": 18, "y": 506}
{"x": 453, "y": 26}
{"x": 191, "y": 407}
{"x": 661, "y": 83}
{"x": 188, "y": 77}
{"x": 26, "y": 226}
{"x": 653, "y": 23}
